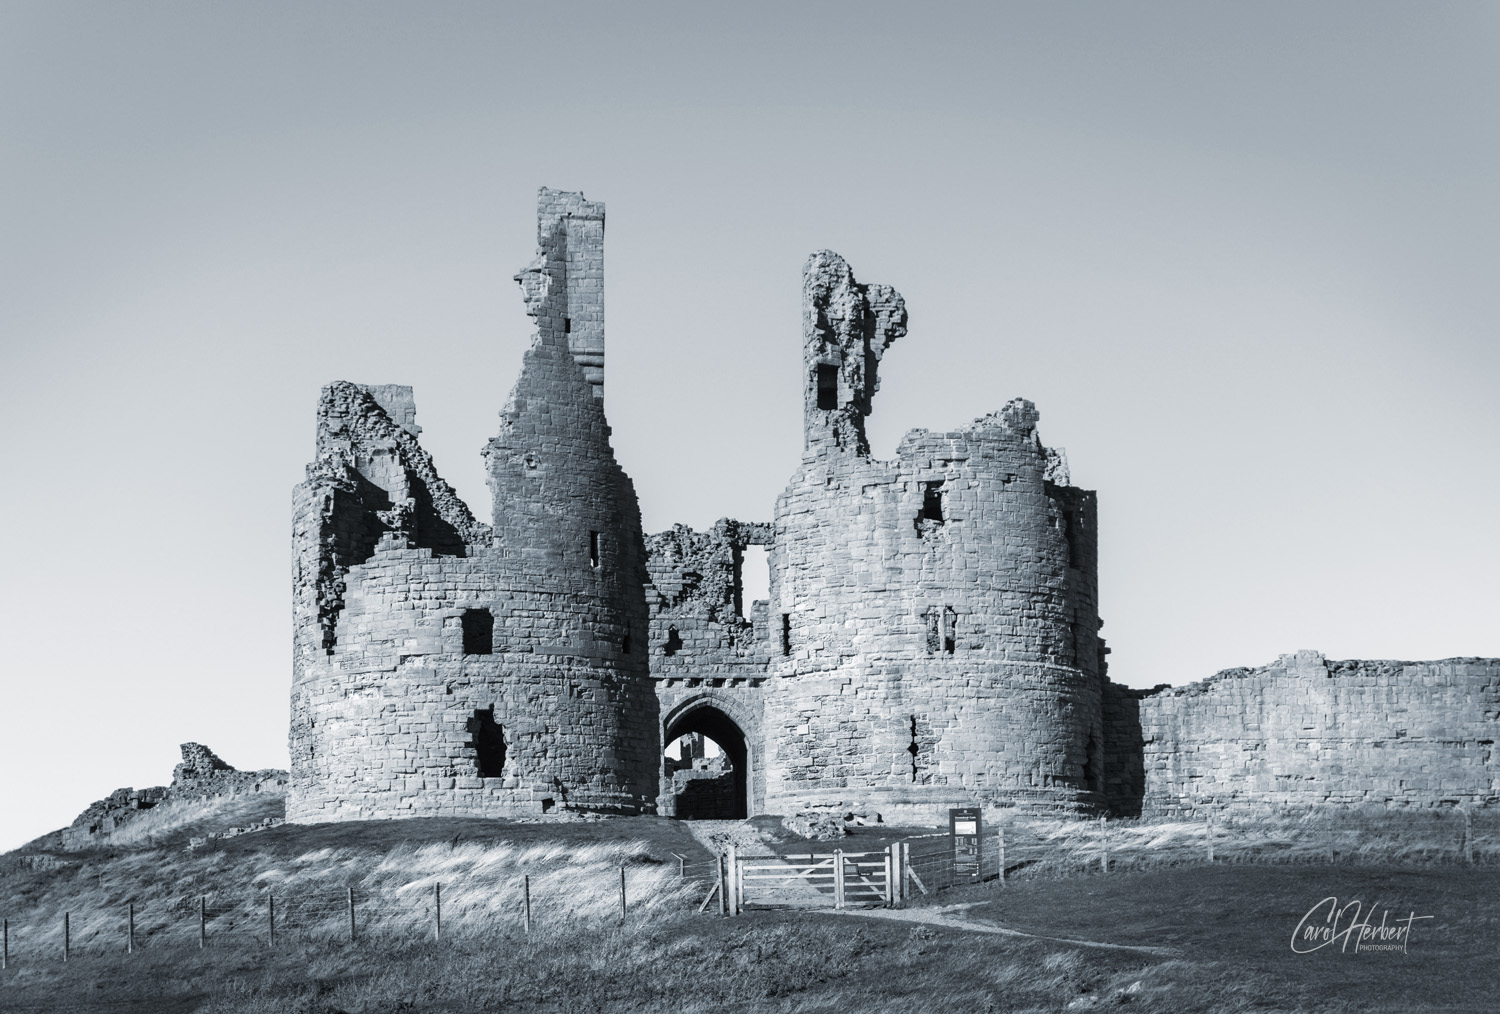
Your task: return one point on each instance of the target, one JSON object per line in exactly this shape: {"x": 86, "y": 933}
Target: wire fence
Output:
{"x": 265, "y": 913}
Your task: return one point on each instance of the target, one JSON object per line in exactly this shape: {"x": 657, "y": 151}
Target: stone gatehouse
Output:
{"x": 931, "y": 638}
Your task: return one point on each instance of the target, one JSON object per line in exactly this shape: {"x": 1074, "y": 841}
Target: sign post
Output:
{"x": 967, "y": 835}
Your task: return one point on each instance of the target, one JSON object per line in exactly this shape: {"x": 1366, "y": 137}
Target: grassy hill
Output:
{"x": 1223, "y": 929}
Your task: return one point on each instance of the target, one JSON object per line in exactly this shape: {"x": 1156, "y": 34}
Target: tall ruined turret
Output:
{"x": 938, "y": 636}
{"x": 443, "y": 666}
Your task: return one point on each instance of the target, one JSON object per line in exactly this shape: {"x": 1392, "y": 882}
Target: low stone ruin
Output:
{"x": 201, "y": 775}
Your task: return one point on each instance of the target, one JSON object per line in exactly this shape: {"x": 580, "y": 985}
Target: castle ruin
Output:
{"x": 931, "y": 637}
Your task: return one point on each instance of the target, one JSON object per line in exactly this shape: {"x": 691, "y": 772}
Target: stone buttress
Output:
{"x": 444, "y": 666}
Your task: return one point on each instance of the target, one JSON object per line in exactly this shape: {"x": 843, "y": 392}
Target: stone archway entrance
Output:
{"x": 709, "y": 787}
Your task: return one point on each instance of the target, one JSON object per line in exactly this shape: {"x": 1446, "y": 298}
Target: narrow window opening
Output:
{"x": 913, "y": 749}
{"x": 950, "y": 630}
{"x": 753, "y": 579}
{"x": 567, "y": 325}
{"x": 828, "y": 387}
{"x": 1089, "y": 769}
{"x": 674, "y": 642}
{"x": 487, "y": 737}
{"x": 1071, "y": 537}
{"x": 786, "y": 634}
{"x": 479, "y": 632}
{"x": 625, "y": 641}
{"x": 593, "y": 549}
{"x": 933, "y": 620}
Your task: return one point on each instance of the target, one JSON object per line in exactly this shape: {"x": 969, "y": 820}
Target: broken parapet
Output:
{"x": 563, "y": 286}
{"x": 846, "y": 328}
{"x": 370, "y": 478}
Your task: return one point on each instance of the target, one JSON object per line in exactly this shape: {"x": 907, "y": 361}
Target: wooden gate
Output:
{"x": 836, "y": 878}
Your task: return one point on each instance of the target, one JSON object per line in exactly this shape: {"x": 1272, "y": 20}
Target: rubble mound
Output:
{"x": 819, "y": 825}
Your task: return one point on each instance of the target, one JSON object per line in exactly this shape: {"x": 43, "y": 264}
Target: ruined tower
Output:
{"x": 444, "y": 666}
{"x": 931, "y": 639}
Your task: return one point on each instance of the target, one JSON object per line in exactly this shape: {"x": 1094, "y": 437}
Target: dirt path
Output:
{"x": 953, "y": 917}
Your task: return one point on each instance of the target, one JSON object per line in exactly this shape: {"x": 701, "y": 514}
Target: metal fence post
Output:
{"x": 67, "y": 938}
{"x": 1000, "y": 847}
{"x": 130, "y": 928}
{"x": 1468, "y": 836}
{"x": 526, "y": 897}
{"x": 351, "y": 913}
{"x": 271, "y": 920}
{"x": 838, "y": 878}
{"x": 723, "y": 889}
{"x": 5, "y": 948}
{"x": 437, "y": 911}
{"x": 202, "y": 921}
{"x": 622, "y": 894}
{"x": 1209, "y": 836}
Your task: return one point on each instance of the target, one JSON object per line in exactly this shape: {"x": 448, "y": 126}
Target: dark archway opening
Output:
{"x": 710, "y": 773}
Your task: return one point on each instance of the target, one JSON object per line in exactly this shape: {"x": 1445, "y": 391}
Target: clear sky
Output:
{"x": 1242, "y": 256}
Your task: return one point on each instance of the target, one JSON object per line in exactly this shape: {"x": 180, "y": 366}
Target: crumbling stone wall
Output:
{"x": 1305, "y": 732}
{"x": 449, "y": 667}
{"x": 201, "y": 775}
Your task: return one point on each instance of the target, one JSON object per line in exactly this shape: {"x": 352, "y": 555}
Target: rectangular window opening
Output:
{"x": 567, "y": 325}
{"x": 593, "y": 549}
{"x": 479, "y": 632}
{"x": 828, "y": 386}
{"x": 932, "y": 501}
{"x": 753, "y": 581}
{"x": 786, "y": 634}
{"x": 950, "y": 630}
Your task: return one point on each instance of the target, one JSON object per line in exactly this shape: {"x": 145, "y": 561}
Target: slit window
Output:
{"x": 593, "y": 549}
{"x": 479, "y": 632}
{"x": 786, "y": 633}
{"x": 828, "y": 386}
{"x": 567, "y": 325}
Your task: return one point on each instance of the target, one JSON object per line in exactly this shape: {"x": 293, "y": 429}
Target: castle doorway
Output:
{"x": 707, "y": 765}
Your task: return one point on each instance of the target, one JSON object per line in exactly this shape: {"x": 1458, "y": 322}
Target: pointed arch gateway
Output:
{"x": 705, "y": 717}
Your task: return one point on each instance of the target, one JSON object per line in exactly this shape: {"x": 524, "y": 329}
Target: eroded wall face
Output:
{"x": 1307, "y": 733}
{"x": 473, "y": 669}
{"x": 710, "y": 647}
{"x": 940, "y": 632}
{"x": 934, "y": 629}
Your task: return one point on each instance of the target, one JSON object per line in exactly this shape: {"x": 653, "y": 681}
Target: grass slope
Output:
{"x": 1228, "y": 924}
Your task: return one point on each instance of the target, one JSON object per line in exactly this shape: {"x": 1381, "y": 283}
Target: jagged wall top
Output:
{"x": 564, "y": 284}
{"x": 846, "y": 328}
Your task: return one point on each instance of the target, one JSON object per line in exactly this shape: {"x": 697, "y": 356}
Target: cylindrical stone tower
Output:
{"x": 939, "y": 631}
{"x": 448, "y": 667}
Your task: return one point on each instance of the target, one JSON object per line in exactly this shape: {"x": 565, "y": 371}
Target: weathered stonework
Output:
{"x": 1305, "y": 733}
{"x": 931, "y": 637}
{"x": 448, "y": 667}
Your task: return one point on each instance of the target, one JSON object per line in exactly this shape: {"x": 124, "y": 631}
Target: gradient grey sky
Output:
{"x": 1242, "y": 256}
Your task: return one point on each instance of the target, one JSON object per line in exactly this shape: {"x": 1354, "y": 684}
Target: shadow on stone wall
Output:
{"x": 1124, "y": 749}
